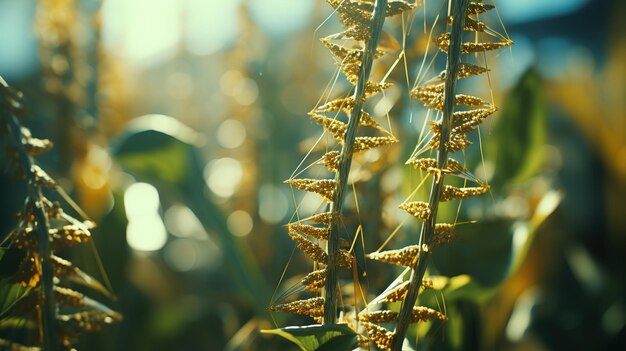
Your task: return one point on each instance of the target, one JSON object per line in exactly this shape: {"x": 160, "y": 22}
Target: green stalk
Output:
{"x": 48, "y": 308}
{"x": 345, "y": 161}
{"x": 428, "y": 227}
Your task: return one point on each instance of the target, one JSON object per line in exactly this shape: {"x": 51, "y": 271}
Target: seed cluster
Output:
{"x": 473, "y": 111}
{"x": 335, "y": 117}
{"x": 73, "y": 312}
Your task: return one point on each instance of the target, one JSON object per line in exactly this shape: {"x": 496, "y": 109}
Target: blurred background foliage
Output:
{"x": 175, "y": 123}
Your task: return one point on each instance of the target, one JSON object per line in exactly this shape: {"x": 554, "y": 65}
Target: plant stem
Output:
{"x": 345, "y": 160}
{"x": 428, "y": 227}
{"x": 48, "y": 307}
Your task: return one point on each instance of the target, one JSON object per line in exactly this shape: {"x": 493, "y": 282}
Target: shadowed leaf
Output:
{"x": 337, "y": 337}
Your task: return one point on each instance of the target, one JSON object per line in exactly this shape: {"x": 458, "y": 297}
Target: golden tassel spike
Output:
{"x": 337, "y": 105}
{"x": 333, "y": 126}
{"x": 357, "y": 32}
{"x": 443, "y": 43}
{"x": 396, "y": 7}
{"x": 417, "y": 209}
{"x": 87, "y": 321}
{"x": 434, "y": 100}
{"x": 366, "y": 143}
{"x": 345, "y": 259}
{"x": 399, "y": 292}
{"x": 458, "y": 141}
{"x": 404, "y": 257}
{"x": 453, "y": 193}
{"x": 479, "y": 114}
{"x": 314, "y": 252}
{"x": 467, "y": 100}
{"x": 440, "y": 240}
{"x": 372, "y": 88}
{"x": 348, "y": 56}
{"x": 356, "y": 12}
{"x": 379, "y": 335}
{"x": 368, "y": 121}
{"x": 476, "y": 8}
{"x": 477, "y": 26}
{"x": 325, "y": 217}
{"x": 35, "y": 146}
{"x": 351, "y": 71}
{"x": 344, "y": 105}
{"x": 467, "y": 70}
{"x": 352, "y": 12}
{"x": 314, "y": 280}
{"x": 24, "y": 240}
{"x": 331, "y": 160}
{"x": 473, "y": 25}
{"x": 436, "y": 84}
{"x": 427, "y": 284}
{"x": 430, "y": 165}
{"x": 419, "y": 314}
{"x": 69, "y": 297}
{"x": 323, "y": 187}
{"x": 430, "y": 88}
{"x": 378, "y": 317}
{"x": 424, "y": 314}
{"x": 466, "y": 121}
{"x": 309, "y": 230}
{"x": 423, "y": 163}
{"x": 313, "y": 307}
{"x": 68, "y": 236}
{"x": 29, "y": 271}
{"x": 443, "y": 228}
{"x": 42, "y": 179}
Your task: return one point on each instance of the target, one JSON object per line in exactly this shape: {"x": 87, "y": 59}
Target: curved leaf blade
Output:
{"x": 327, "y": 337}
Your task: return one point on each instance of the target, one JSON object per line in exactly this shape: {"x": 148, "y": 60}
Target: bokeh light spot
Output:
{"x": 223, "y": 176}
{"x": 231, "y": 134}
{"x": 240, "y": 223}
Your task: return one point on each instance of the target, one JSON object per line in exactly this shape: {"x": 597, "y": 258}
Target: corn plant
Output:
{"x": 363, "y": 21}
{"x": 448, "y": 134}
{"x": 44, "y": 229}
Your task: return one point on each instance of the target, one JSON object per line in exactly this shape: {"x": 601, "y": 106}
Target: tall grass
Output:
{"x": 43, "y": 229}
{"x": 363, "y": 22}
{"x": 448, "y": 134}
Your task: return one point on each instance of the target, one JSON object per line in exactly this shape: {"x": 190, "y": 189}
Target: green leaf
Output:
{"x": 488, "y": 252}
{"x": 17, "y": 323}
{"x": 154, "y": 155}
{"x": 339, "y": 343}
{"x": 327, "y": 337}
{"x": 13, "y": 346}
{"x": 482, "y": 250}
{"x": 164, "y": 152}
{"x": 520, "y": 132}
{"x": 10, "y": 294}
